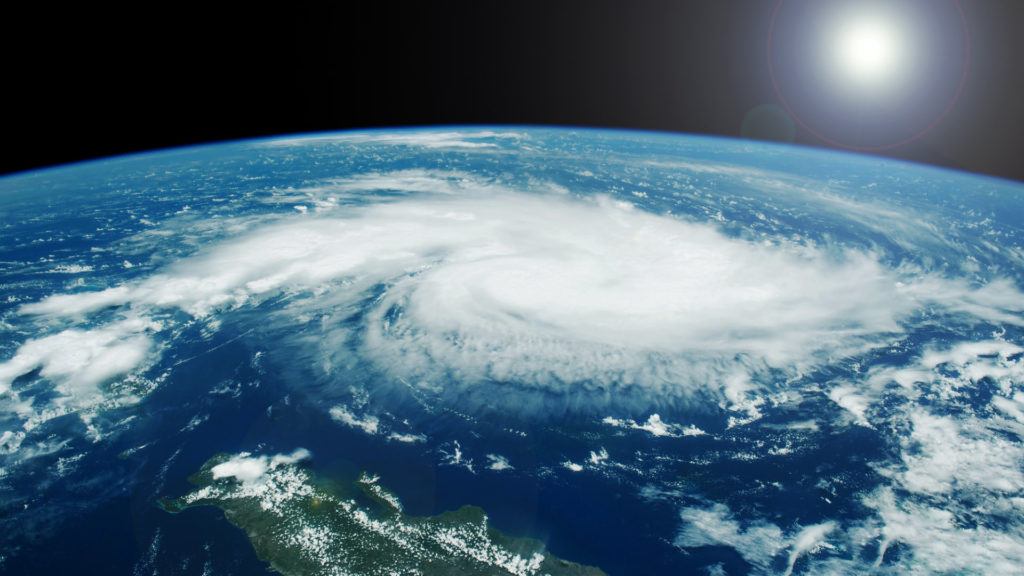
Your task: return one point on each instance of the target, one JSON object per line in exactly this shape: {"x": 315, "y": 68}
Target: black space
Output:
{"x": 85, "y": 83}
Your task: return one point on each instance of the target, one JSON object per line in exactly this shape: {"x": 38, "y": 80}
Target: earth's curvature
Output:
{"x": 510, "y": 351}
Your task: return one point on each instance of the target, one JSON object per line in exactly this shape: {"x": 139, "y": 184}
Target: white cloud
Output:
{"x": 1014, "y": 408}
{"x": 368, "y": 424}
{"x": 242, "y": 468}
{"x": 413, "y": 182}
{"x": 848, "y": 398}
{"x": 79, "y": 304}
{"x": 944, "y": 453}
{"x": 803, "y": 425}
{"x": 951, "y": 496}
{"x": 989, "y": 355}
{"x": 498, "y": 463}
{"x": 407, "y": 438}
{"x": 809, "y": 539}
{"x": 78, "y": 361}
{"x": 937, "y": 543}
{"x": 252, "y": 469}
{"x": 656, "y": 426}
{"x": 10, "y": 441}
{"x": 72, "y": 268}
{"x": 419, "y": 138}
{"x": 758, "y": 542}
{"x": 598, "y": 458}
{"x": 716, "y": 570}
{"x": 947, "y": 452}
{"x": 452, "y": 455}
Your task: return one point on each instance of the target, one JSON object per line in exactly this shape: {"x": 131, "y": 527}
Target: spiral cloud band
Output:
{"x": 537, "y": 289}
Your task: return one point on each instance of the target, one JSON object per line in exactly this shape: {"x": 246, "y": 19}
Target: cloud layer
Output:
{"x": 475, "y": 283}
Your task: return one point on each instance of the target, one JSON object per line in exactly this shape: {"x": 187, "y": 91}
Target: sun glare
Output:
{"x": 869, "y": 51}
{"x": 868, "y": 75}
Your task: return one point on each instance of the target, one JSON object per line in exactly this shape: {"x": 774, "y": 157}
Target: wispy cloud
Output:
{"x": 420, "y": 138}
{"x": 949, "y": 497}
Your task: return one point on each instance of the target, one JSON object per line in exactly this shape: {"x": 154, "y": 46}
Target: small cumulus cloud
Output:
{"x": 452, "y": 455}
{"x": 407, "y": 438}
{"x": 655, "y": 426}
{"x": 368, "y": 424}
{"x": 498, "y": 463}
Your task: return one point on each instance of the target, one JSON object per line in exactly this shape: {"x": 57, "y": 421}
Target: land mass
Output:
{"x": 303, "y": 527}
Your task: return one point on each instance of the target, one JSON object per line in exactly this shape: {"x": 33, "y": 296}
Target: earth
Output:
{"x": 510, "y": 351}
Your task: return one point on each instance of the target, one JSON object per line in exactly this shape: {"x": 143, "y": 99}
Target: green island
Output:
{"x": 304, "y": 527}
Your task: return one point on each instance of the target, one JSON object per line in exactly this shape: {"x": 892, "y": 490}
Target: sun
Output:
{"x": 869, "y": 51}
{"x": 868, "y": 75}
